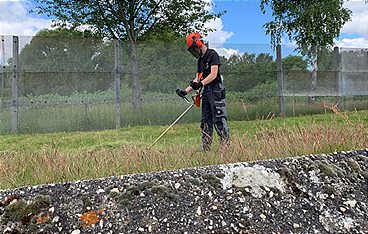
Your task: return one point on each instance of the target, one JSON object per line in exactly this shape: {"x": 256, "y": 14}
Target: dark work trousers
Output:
{"x": 214, "y": 115}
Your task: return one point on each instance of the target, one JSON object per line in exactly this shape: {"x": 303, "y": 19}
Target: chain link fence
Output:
{"x": 53, "y": 84}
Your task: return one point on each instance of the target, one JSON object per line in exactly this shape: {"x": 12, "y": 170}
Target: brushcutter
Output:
{"x": 196, "y": 102}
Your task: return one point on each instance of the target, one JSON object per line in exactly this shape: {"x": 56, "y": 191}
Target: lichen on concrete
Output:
{"x": 257, "y": 178}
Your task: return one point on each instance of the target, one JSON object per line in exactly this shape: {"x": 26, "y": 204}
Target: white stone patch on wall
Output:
{"x": 313, "y": 177}
{"x": 254, "y": 177}
{"x": 332, "y": 221}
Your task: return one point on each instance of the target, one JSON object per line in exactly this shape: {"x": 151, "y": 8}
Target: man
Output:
{"x": 213, "y": 96}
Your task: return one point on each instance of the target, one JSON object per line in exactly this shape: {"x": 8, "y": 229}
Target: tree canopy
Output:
{"x": 311, "y": 24}
{"x": 131, "y": 20}
{"x": 63, "y": 61}
{"x": 294, "y": 63}
{"x": 244, "y": 72}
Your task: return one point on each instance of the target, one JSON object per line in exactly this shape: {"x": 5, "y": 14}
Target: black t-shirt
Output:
{"x": 205, "y": 62}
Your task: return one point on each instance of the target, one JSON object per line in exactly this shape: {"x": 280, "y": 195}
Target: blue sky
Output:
{"x": 239, "y": 30}
{"x": 245, "y": 20}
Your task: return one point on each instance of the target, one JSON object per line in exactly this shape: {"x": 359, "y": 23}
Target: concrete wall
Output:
{"x": 310, "y": 194}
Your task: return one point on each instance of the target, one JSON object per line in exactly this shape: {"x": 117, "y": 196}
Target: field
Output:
{"x": 31, "y": 159}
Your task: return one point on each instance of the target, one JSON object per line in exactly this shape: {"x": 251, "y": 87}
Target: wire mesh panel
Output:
{"x": 163, "y": 67}
{"x": 5, "y": 101}
{"x": 66, "y": 84}
{"x": 5, "y": 82}
{"x": 299, "y": 83}
{"x": 248, "y": 78}
{"x": 315, "y": 78}
{"x": 354, "y": 65}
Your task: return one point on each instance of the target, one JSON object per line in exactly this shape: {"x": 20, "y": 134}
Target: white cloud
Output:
{"x": 358, "y": 25}
{"x": 16, "y": 20}
{"x": 359, "y": 21}
{"x": 217, "y": 38}
{"x": 28, "y": 27}
{"x": 352, "y": 43}
{"x": 226, "y": 52}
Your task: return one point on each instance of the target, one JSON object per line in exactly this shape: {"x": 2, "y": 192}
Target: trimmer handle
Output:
{"x": 193, "y": 100}
{"x": 186, "y": 99}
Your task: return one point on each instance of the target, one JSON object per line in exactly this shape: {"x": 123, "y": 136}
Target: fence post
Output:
{"x": 15, "y": 76}
{"x": 338, "y": 68}
{"x": 2, "y": 73}
{"x": 280, "y": 81}
{"x": 117, "y": 85}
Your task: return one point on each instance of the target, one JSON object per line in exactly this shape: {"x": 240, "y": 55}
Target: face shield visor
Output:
{"x": 195, "y": 50}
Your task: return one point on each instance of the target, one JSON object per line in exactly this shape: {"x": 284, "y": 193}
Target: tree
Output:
{"x": 168, "y": 64}
{"x": 244, "y": 72}
{"x": 64, "y": 61}
{"x": 311, "y": 24}
{"x": 295, "y": 73}
{"x": 294, "y": 63}
{"x": 131, "y": 20}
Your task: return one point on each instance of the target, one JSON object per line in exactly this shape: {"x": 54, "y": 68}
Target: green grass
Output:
{"x": 30, "y": 159}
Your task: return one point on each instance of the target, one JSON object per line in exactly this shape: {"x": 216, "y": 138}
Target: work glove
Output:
{"x": 181, "y": 93}
{"x": 196, "y": 85}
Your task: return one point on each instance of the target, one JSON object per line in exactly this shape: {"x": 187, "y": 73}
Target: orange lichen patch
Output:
{"x": 89, "y": 218}
{"x": 101, "y": 211}
{"x": 10, "y": 199}
{"x": 42, "y": 219}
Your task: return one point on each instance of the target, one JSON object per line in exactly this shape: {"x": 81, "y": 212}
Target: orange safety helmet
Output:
{"x": 194, "y": 38}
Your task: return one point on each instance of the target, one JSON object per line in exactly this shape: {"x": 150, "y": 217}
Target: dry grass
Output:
{"x": 50, "y": 166}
